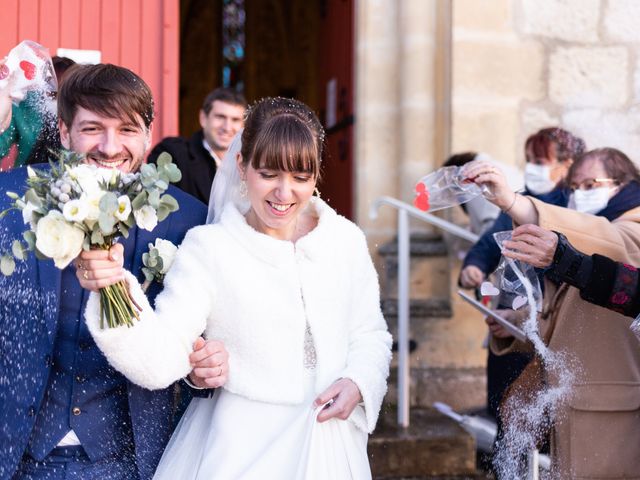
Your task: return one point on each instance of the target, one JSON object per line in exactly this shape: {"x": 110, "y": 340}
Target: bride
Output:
{"x": 290, "y": 289}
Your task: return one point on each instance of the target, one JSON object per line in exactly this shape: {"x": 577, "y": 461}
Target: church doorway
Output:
{"x": 291, "y": 48}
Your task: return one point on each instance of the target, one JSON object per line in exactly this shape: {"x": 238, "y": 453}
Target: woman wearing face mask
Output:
{"x": 549, "y": 154}
{"x": 596, "y": 432}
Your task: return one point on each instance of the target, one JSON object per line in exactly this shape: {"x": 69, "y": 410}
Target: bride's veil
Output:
{"x": 226, "y": 183}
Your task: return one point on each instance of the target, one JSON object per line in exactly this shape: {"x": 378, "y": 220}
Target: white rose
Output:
{"x": 167, "y": 252}
{"x": 92, "y": 201}
{"x": 124, "y": 208}
{"x": 146, "y": 218}
{"x": 87, "y": 177}
{"x": 27, "y": 214}
{"x": 58, "y": 239}
{"x": 76, "y": 210}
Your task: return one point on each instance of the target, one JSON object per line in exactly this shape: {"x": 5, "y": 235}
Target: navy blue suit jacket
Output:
{"x": 29, "y": 301}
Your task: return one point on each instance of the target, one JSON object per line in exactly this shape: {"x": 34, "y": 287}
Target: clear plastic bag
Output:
{"x": 517, "y": 281}
{"x": 448, "y": 187}
{"x": 27, "y": 67}
{"x": 635, "y": 326}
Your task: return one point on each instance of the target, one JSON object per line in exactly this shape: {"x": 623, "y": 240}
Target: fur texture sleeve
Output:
{"x": 154, "y": 353}
{"x": 369, "y": 352}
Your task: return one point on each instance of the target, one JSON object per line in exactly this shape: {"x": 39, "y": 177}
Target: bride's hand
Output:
{"x": 210, "y": 363}
{"x": 97, "y": 269}
{"x": 345, "y": 395}
{"x": 484, "y": 173}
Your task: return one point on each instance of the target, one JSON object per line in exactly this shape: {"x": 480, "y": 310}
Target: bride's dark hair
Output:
{"x": 282, "y": 134}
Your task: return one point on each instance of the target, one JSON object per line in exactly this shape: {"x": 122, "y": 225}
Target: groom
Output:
{"x": 64, "y": 412}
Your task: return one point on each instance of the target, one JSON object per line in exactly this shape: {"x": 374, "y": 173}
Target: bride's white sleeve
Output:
{"x": 369, "y": 352}
{"x": 154, "y": 352}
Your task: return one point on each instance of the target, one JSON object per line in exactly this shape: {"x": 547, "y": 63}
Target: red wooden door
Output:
{"x": 142, "y": 35}
{"x": 336, "y": 94}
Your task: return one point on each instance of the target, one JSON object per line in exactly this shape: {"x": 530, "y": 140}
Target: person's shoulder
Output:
{"x": 338, "y": 226}
{"x": 175, "y": 146}
{"x": 188, "y": 203}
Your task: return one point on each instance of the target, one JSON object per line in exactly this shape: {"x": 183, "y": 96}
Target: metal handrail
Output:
{"x": 404, "y": 210}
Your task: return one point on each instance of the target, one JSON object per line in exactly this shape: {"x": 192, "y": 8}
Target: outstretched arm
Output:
{"x": 156, "y": 351}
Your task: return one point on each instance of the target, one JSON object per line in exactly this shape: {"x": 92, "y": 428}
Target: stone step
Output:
{"x": 433, "y": 446}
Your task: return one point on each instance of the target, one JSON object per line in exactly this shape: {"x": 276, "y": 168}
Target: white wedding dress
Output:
{"x": 229, "y": 437}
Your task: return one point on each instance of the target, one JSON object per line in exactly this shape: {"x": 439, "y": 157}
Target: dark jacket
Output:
{"x": 194, "y": 161}
{"x": 29, "y": 311}
{"x": 485, "y": 253}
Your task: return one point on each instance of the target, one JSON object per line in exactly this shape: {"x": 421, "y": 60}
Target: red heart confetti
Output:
{"x": 4, "y": 72}
{"x": 421, "y": 201}
{"x": 420, "y": 187}
{"x": 29, "y": 69}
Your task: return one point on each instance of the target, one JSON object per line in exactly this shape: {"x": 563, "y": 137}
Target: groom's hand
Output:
{"x": 210, "y": 362}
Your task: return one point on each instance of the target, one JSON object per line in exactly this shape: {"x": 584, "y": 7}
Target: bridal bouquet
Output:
{"x": 74, "y": 206}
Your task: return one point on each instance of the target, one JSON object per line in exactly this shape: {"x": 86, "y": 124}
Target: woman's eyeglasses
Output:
{"x": 591, "y": 183}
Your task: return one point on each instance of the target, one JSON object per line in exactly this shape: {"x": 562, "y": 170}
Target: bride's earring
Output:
{"x": 243, "y": 189}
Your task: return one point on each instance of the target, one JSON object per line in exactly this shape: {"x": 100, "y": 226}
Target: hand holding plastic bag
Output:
{"x": 27, "y": 67}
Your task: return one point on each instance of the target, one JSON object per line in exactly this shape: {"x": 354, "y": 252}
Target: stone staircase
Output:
{"x": 434, "y": 446}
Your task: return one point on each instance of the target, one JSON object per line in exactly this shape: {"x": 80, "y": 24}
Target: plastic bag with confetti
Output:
{"x": 27, "y": 67}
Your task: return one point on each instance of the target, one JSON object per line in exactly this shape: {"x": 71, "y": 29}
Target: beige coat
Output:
{"x": 597, "y": 433}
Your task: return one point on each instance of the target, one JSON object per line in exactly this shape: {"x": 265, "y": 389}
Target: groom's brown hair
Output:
{"x": 105, "y": 89}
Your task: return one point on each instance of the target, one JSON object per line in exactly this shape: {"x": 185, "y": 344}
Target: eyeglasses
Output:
{"x": 591, "y": 183}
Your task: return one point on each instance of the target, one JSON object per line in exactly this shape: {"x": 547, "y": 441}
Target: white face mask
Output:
{"x": 537, "y": 178}
{"x": 590, "y": 201}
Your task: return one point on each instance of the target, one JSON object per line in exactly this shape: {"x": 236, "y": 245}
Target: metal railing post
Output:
{"x": 404, "y": 210}
{"x": 403, "y": 318}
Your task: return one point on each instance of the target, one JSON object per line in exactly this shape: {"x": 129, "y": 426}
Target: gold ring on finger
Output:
{"x": 85, "y": 275}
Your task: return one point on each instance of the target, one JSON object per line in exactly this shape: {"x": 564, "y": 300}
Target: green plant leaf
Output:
{"x": 19, "y": 252}
{"x": 7, "y": 265}
{"x": 164, "y": 159}
{"x": 170, "y": 202}
{"x": 140, "y": 201}
{"x": 96, "y": 237}
{"x": 109, "y": 203}
{"x": 30, "y": 238}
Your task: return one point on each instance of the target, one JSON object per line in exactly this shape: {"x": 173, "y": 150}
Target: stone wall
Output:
{"x": 520, "y": 65}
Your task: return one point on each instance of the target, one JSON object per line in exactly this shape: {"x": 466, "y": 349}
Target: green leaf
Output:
{"x": 148, "y": 274}
{"x": 140, "y": 201}
{"x": 162, "y": 212}
{"x": 32, "y": 196}
{"x": 174, "y": 173}
{"x": 145, "y": 259}
{"x": 19, "y": 252}
{"x": 13, "y": 196}
{"x": 109, "y": 203}
{"x": 164, "y": 159}
{"x": 96, "y": 237}
{"x": 30, "y": 238}
{"x": 123, "y": 230}
{"x": 154, "y": 198}
{"x": 170, "y": 202}
{"x": 7, "y": 265}
{"x": 106, "y": 222}
{"x": 162, "y": 184}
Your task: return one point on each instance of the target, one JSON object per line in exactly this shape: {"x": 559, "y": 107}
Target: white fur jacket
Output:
{"x": 255, "y": 294}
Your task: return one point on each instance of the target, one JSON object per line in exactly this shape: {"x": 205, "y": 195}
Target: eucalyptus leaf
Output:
{"x": 106, "y": 222}
{"x": 30, "y": 238}
{"x": 109, "y": 203}
{"x": 148, "y": 274}
{"x": 162, "y": 212}
{"x": 7, "y": 265}
{"x": 170, "y": 202}
{"x": 164, "y": 159}
{"x": 96, "y": 237}
{"x": 154, "y": 198}
{"x": 32, "y": 197}
{"x": 140, "y": 201}
{"x": 162, "y": 184}
{"x": 174, "y": 173}
{"x": 19, "y": 252}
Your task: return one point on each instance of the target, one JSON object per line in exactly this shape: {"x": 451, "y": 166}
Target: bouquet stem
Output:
{"x": 117, "y": 307}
